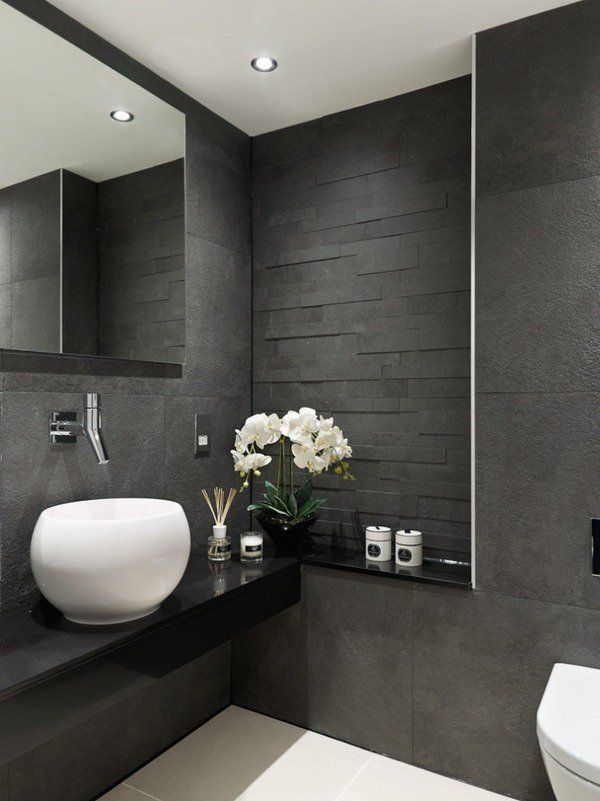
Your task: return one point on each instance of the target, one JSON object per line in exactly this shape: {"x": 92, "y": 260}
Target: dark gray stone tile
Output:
{"x": 186, "y": 475}
{"x": 217, "y": 192}
{"x": 35, "y": 227}
{"x": 538, "y": 251}
{"x": 360, "y": 661}
{"x": 88, "y": 759}
{"x": 5, "y": 236}
{"x": 270, "y": 668}
{"x": 536, "y": 493}
{"x": 537, "y": 114}
{"x": 4, "y": 785}
{"x": 36, "y": 314}
{"x": 332, "y": 666}
{"x": 199, "y": 689}
{"x": 34, "y": 372}
{"x": 37, "y": 474}
{"x": 218, "y": 315}
{"x": 5, "y": 315}
{"x": 480, "y": 665}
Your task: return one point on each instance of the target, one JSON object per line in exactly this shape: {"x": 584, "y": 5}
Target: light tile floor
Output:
{"x": 242, "y": 756}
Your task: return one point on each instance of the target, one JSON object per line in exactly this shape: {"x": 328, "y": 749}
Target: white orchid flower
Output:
{"x": 325, "y": 424}
{"x": 329, "y": 438}
{"x": 304, "y": 426}
{"x": 254, "y": 461}
{"x": 306, "y": 458}
{"x": 274, "y": 425}
{"x": 239, "y": 461}
{"x": 257, "y": 430}
{"x": 341, "y": 451}
{"x": 241, "y": 440}
{"x": 326, "y": 456}
{"x": 287, "y": 421}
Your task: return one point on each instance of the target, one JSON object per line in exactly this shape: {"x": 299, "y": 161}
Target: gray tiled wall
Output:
{"x": 148, "y": 410}
{"x": 361, "y": 301}
{"x": 141, "y": 310}
{"x": 149, "y": 429}
{"x": 30, "y": 263}
{"x": 479, "y": 661}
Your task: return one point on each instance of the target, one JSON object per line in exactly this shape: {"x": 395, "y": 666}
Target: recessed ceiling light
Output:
{"x": 263, "y": 64}
{"x": 120, "y": 115}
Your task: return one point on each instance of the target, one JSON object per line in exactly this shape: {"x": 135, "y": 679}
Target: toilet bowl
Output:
{"x": 568, "y": 729}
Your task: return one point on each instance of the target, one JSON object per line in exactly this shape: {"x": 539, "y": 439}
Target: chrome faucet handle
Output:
{"x": 64, "y": 426}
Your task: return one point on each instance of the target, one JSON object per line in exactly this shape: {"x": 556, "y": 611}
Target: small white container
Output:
{"x": 409, "y": 548}
{"x": 251, "y": 546}
{"x": 378, "y": 543}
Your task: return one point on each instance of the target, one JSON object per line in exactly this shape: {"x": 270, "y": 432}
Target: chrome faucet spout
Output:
{"x": 65, "y": 427}
{"x": 92, "y": 426}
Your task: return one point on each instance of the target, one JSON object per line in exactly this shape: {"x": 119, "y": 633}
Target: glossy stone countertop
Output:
{"x": 38, "y": 642}
{"x": 431, "y": 572}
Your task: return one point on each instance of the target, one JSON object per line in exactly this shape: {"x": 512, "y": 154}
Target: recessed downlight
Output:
{"x": 121, "y": 115}
{"x": 263, "y": 64}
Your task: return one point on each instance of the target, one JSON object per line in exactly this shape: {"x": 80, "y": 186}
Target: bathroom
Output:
{"x": 378, "y": 222}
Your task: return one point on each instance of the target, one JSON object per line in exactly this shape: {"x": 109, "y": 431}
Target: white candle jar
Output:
{"x": 378, "y": 543}
{"x": 251, "y": 546}
{"x": 409, "y": 548}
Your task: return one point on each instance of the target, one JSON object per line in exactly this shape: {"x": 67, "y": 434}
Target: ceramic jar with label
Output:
{"x": 409, "y": 548}
{"x": 378, "y": 543}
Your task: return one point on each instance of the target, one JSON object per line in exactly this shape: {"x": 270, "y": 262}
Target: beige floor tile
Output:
{"x": 387, "y": 780}
{"x": 124, "y": 793}
{"x": 242, "y": 756}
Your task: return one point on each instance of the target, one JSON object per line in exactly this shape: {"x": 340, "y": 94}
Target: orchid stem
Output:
{"x": 291, "y": 471}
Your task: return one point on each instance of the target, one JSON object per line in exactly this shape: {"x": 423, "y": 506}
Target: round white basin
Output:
{"x": 111, "y": 560}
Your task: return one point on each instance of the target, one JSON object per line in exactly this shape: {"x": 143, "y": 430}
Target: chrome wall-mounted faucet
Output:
{"x": 65, "y": 427}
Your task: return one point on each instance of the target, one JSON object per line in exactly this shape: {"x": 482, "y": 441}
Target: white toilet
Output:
{"x": 568, "y": 728}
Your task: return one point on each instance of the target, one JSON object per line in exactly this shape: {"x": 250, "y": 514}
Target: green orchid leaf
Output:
{"x": 304, "y": 492}
{"x": 293, "y": 506}
{"x": 271, "y": 493}
{"x": 265, "y": 507}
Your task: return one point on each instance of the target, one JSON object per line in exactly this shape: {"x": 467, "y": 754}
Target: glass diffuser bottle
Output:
{"x": 219, "y": 545}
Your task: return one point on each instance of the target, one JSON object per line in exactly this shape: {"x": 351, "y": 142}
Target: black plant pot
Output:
{"x": 288, "y": 538}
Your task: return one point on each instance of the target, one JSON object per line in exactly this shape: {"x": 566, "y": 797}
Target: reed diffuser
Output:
{"x": 219, "y": 545}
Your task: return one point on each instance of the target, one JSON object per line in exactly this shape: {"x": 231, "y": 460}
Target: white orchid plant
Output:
{"x": 307, "y": 442}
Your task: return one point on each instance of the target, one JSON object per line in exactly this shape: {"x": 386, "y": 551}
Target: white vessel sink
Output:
{"x": 112, "y": 560}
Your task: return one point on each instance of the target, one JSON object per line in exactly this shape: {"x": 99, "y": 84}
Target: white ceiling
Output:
{"x": 333, "y": 54}
{"x": 55, "y": 102}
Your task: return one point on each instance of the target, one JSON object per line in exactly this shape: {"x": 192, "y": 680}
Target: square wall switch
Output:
{"x": 201, "y": 435}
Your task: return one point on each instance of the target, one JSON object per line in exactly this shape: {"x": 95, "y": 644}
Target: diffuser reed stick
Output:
{"x": 222, "y": 506}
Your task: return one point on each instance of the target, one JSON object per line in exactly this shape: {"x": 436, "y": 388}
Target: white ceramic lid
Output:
{"x": 568, "y": 719}
{"x": 379, "y": 533}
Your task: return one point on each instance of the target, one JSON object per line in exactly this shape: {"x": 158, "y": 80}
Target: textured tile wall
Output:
{"x": 361, "y": 301}
{"x": 148, "y": 409}
{"x": 30, "y": 263}
{"x": 479, "y": 661}
{"x": 148, "y": 421}
{"x": 538, "y": 249}
{"x": 447, "y": 679}
{"x": 141, "y": 237}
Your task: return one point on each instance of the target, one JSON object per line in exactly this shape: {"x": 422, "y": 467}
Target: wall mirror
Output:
{"x": 91, "y": 206}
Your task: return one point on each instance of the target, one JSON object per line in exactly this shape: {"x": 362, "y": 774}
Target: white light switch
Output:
{"x": 201, "y": 435}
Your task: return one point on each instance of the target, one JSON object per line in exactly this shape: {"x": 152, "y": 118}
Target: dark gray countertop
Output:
{"x": 431, "y": 572}
{"x": 37, "y": 642}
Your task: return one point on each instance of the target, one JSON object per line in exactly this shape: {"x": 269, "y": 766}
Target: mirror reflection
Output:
{"x": 91, "y": 204}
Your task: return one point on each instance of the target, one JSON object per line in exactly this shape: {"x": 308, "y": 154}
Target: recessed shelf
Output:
{"x": 432, "y": 572}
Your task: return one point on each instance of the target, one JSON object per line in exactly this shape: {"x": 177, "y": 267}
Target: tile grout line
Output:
{"x": 354, "y": 778}
{"x": 136, "y": 790}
